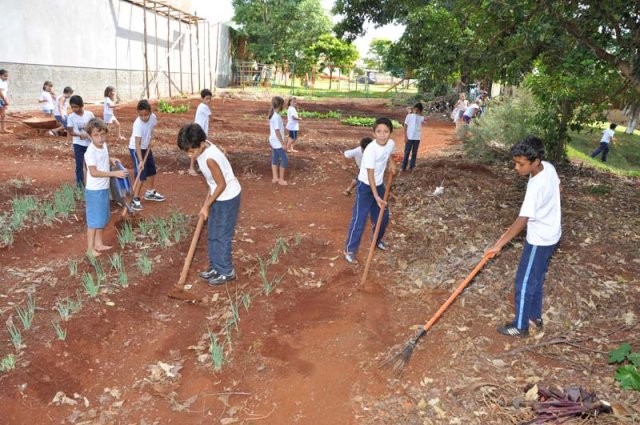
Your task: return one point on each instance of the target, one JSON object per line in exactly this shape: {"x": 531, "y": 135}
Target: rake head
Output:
{"x": 397, "y": 362}
{"x": 178, "y": 293}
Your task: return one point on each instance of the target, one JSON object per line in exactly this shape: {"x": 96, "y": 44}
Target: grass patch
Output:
{"x": 624, "y": 154}
{"x": 366, "y": 122}
{"x": 8, "y": 363}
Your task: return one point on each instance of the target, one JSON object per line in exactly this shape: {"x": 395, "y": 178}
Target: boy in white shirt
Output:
{"x": 203, "y": 115}
{"x": 141, "y": 136}
{"x": 412, "y": 133}
{"x": 76, "y": 123}
{"x": 540, "y": 214}
{"x": 4, "y": 99}
{"x": 221, "y": 204}
{"x": 370, "y": 189}
{"x": 356, "y": 155}
{"x": 605, "y": 142}
{"x": 97, "y": 187}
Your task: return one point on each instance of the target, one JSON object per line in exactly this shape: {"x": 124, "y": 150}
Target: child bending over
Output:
{"x": 356, "y": 154}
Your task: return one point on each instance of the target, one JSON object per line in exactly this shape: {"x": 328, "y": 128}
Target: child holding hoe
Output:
{"x": 97, "y": 188}
{"x": 370, "y": 188}
{"x": 221, "y": 205}
{"x": 540, "y": 215}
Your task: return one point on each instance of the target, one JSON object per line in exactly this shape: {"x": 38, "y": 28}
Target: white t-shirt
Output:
{"x": 233, "y": 185}
{"x": 414, "y": 126}
{"x": 355, "y": 153}
{"x": 293, "y": 123}
{"x": 56, "y": 106}
{"x": 144, "y": 130}
{"x": 275, "y": 124}
{"x": 78, "y": 123}
{"x": 202, "y": 117}
{"x": 542, "y": 206}
{"x": 4, "y": 87}
{"x": 471, "y": 110}
{"x": 108, "y": 108}
{"x": 46, "y": 97}
{"x": 375, "y": 156}
{"x": 607, "y": 135}
{"x": 99, "y": 158}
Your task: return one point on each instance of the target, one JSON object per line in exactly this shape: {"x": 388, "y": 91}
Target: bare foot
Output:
{"x": 192, "y": 172}
{"x": 103, "y": 248}
{"x": 7, "y": 132}
{"x": 282, "y": 183}
{"x": 293, "y": 150}
{"x": 274, "y": 181}
{"x": 94, "y": 253}
{"x": 346, "y": 192}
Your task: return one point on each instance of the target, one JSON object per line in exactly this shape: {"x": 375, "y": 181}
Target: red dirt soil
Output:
{"x": 303, "y": 354}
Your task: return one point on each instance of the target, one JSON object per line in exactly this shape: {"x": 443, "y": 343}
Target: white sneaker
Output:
{"x": 152, "y": 195}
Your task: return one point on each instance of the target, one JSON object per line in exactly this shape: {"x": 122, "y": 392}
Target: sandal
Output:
{"x": 346, "y": 192}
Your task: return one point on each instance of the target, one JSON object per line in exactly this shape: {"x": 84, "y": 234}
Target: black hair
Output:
{"x": 108, "y": 90}
{"x": 364, "y": 142}
{"x": 67, "y": 90}
{"x": 191, "y": 136}
{"x": 530, "y": 147}
{"x": 205, "y": 92}
{"x": 385, "y": 121}
{"x": 96, "y": 123}
{"x": 76, "y": 100}
{"x": 143, "y": 105}
{"x": 3, "y": 71}
{"x": 276, "y": 103}
{"x": 419, "y": 107}
{"x": 613, "y": 126}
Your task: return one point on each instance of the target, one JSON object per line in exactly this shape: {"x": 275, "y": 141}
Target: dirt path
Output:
{"x": 302, "y": 343}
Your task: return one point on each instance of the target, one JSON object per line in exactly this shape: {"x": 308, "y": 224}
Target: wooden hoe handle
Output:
{"x": 192, "y": 250}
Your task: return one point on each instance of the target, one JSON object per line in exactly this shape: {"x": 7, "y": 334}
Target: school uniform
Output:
{"x": 375, "y": 157}
{"x": 143, "y": 130}
{"x": 77, "y": 123}
{"x": 97, "y": 188}
{"x": 413, "y": 123}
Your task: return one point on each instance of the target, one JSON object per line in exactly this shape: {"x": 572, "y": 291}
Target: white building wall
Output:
{"x": 90, "y": 44}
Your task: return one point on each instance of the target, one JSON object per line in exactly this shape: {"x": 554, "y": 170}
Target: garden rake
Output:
{"x": 178, "y": 291}
{"x": 376, "y": 232}
{"x": 398, "y": 361}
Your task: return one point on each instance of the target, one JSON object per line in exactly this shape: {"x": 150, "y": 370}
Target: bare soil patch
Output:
{"x": 308, "y": 351}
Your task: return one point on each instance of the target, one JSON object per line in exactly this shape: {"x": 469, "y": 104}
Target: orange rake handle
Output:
{"x": 457, "y": 292}
{"x": 192, "y": 250}
{"x": 376, "y": 232}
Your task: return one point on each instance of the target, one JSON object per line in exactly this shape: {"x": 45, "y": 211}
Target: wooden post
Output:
{"x": 191, "y": 55}
{"x": 180, "y": 49}
{"x": 169, "y": 53}
{"x": 146, "y": 59}
{"x": 155, "y": 28}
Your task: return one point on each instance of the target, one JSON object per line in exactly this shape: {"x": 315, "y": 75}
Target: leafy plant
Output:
{"x": 145, "y": 227}
{"x": 316, "y": 115}
{"x": 126, "y": 235}
{"x": 246, "y": 301}
{"x": 279, "y": 247}
{"x": 116, "y": 261}
{"x": 144, "y": 263}
{"x": 27, "y": 313}
{"x": 15, "y": 334}
{"x": 66, "y": 307}
{"x": 61, "y": 333}
{"x": 7, "y": 363}
{"x": 97, "y": 266}
{"x": 628, "y": 374}
{"x": 215, "y": 351}
{"x": 21, "y": 207}
{"x": 91, "y": 286}
{"x": 167, "y": 108}
{"x": 162, "y": 232}
{"x": 48, "y": 212}
{"x": 64, "y": 200}
{"x": 366, "y": 122}
{"x": 73, "y": 267}
{"x": 266, "y": 284}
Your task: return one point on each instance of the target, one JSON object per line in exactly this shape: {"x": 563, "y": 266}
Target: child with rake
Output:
{"x": 221, "y": 205}
{"x": 370, "y": 188}
{"x": 97, "y": 188}
{"x": 540, "y": 214}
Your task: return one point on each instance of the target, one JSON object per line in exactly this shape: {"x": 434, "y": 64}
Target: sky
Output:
{"x": 222, "y": 11}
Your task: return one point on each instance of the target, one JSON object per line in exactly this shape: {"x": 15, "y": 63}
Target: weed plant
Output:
{"x": 90, "y": 285}
{"x": 7, "y": 363}
{"x": 162, "y": 232}
{"x": 280, "y": 247}
{"x": 21, "y": 207}
{"x": 64, "y": 200}
{"x": 266, "y": 285}
{"x": 123, "y": 279}
{"x": 246, "y": 301}
{"x": 145, "y": 227}
{"x": 66, "y": 307}
{"x": 216, "y": 352}
{"x": 126, "y": 235}
{"x": 61, "y": 333}
{"x": 49, "y": 212}
{"x": 116, "y": 262}
{"x": 97, "y": 266}
{"x": 15, "y": 335}
{"x": 144, "y": 263}
{"x": 73, "y": 267}
{"x": 27, "y": 313}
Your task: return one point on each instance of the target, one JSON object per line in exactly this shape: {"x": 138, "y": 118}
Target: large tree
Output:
{"x": 377, "y": 54}
{"x": 280, "y": 30}
{"x": 334, "y": 53}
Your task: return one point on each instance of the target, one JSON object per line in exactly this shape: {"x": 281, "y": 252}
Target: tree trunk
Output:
{"x": 330, "y": 76}
{"x": 557, "y": 151}
{"x": 632, "y": 111}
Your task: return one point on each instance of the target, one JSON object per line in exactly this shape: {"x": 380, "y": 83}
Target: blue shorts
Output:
{"x": 62, "y": 120}
{"x": 466, "y": 119}
{"x": 149, "y": 166}
{"x": 279, "y": 156}
{"x": 293, "y": 134}
{"x": 97, "y": 208}
{"x": 2, "y": 103}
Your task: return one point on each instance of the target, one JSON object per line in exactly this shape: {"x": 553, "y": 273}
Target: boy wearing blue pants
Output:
{"x": 540, "y": 215}
{"x": 221, "y": 205}
{"x": 370, "y": 188}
